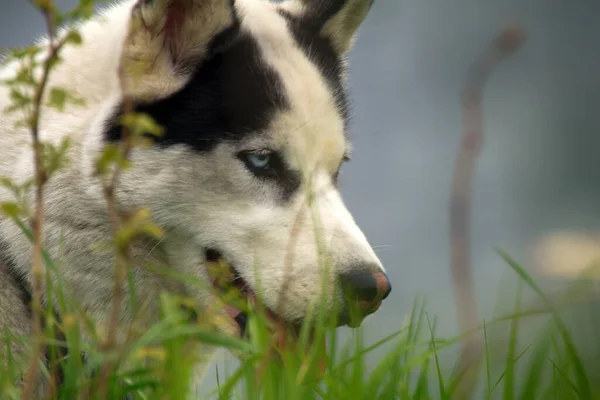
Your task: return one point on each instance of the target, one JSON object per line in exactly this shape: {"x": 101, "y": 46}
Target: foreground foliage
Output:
{"x": 156, "y": 363}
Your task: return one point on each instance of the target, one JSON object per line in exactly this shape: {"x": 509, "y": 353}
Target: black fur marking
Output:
{"x": 231, "y": 95}
{"x": 320, "y": 12}
{"x": 319, "y": 49}
{"x": 289, "y": 182}
{"x": 225, "y": 38}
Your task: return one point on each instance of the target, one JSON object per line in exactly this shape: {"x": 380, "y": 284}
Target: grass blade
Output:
{"x": 437, "y": 361}
{"x": 583, "y": 383}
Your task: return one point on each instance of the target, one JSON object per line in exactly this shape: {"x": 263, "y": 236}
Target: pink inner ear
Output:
{"x": 176, "y": 10}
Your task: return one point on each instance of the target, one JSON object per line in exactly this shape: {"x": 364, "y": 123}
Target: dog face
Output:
{"x": 251, "y": 95}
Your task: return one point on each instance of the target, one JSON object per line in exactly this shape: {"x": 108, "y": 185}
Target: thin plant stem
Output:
{"x": 122, "y": 255}
{"x": 502, "y": 46}
{"x": 37, "y": 222}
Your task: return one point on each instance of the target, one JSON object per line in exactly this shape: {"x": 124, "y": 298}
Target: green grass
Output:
{"x": 156, "y": 363}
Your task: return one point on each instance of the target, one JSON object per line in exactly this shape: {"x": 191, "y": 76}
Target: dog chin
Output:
{"x": 226, "y": 280}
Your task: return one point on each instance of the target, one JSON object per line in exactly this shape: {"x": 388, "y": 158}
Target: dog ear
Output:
{"x": 166, "y": 39}
{"x": 337, "y": 20}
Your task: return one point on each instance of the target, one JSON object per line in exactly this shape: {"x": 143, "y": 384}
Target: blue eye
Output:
{"x": 263, "y": 163}
{"x": 259, "y": 160}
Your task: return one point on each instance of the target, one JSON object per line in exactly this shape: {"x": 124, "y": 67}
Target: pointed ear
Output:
{"x": 167, "y": 38}
{"x": 338, "y": 20}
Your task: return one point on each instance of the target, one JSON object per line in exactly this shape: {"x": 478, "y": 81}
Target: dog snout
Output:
{"x": 364, "y": 290}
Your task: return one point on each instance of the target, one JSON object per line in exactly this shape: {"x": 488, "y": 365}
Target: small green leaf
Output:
{"x": 53, "y": 61}
{"x": 73, "y": 37}
{"x": 58, "y": 98}
{"x": 8, "y": 183}
{"x": 110, "y": 155}
{"x": 141, "y": 124}
{"x": 10, "y": 209}
{"x": 55, "y": 157}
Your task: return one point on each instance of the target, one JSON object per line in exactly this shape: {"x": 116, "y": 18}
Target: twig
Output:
{"x": 122, "y": 260}
{"x": 289, "y": 259}
{"x": 38, "y": 269}
{"x": 503, "y": 46}
{"x": 122, "y": 256}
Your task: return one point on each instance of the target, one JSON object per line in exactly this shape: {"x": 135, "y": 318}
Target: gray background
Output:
{"x": 538, "y": 169}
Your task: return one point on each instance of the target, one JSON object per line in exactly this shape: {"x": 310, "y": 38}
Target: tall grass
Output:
{"x": 157, "y": 363}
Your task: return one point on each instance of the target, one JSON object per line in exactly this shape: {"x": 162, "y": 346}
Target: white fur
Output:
{"x": 201, "y": 201}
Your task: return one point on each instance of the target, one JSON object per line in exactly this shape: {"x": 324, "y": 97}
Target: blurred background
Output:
{"x": 539, "y": 169}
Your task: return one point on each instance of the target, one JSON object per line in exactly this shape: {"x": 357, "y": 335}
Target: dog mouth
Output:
{"x": 226, "y": 279}
{"x": 223, "y": 277}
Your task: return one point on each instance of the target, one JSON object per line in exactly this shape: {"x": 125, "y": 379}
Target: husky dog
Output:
{"x": 251, "y": 96}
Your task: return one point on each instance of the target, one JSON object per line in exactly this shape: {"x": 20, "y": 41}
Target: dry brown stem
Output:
{"x": 122, "y": 256}
{"x": 37, "y": 222}
{"x": 289, "y": 257}
{"x": 503, "y": 46}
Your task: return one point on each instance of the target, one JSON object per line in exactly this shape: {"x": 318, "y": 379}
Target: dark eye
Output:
{"x": 261, "y": 162}
{"x": 336, "y": 175}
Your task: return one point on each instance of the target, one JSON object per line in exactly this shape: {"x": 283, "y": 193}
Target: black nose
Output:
{"x": 364, "y": 292}
{"x": 367, "y": 286}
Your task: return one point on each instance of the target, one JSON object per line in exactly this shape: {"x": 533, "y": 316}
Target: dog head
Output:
{"x": 252, "y": 98}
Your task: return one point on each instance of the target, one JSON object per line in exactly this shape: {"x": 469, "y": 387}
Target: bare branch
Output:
{"x": 122, "y": 256}
{"x": 38, "y": 269}
{"x": 503, "y": 46}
